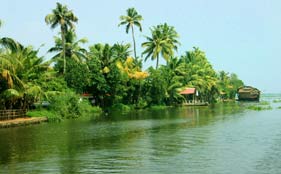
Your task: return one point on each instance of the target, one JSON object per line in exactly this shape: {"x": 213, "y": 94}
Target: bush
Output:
{"x": 141, "y": 104}
{"x": 66, "y": 105}
{"x": 158, "y": 107}
{"x": 52, "y": 116}
{"x": 86, "y": 109}
{"x": 121, "y": 108}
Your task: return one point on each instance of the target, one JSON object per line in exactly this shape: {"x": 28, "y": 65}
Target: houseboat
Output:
{"x": 248, "y": 93}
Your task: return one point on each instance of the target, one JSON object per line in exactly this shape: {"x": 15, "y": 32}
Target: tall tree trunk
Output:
{"x": 63, "y": 49}
{"x": 134, "y": 42}
{"x": 157, "y": 61}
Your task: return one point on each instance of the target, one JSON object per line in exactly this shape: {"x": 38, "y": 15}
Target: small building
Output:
{"x": 189, "y": 94}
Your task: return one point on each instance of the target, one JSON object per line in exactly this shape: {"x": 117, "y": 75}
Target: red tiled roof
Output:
{"x": 85, "y": 94}
{"x": 188, "y": 91}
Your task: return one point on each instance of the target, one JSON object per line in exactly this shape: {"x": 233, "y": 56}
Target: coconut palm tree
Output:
{"x": 121, "y": 51}
{"x": 170, "y": 34}
{"x": 8, "y": 43}
{"x": 200, "y": 74}
{"x": 72, "y": 48}
{"x": 174, "y": 74}
{"x": 65, "y": 18}
{"x": 19, "y": 73}
{"x": 163, "y": 41}
{"x": 104, "y": 53}
{"x": 130, "y": 20}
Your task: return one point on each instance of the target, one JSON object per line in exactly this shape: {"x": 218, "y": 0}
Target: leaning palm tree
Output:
{"x": 132, "y": 18}
{"x": 163, "y": 41}
{"x": 65, "y": 18}
{"x": 9, "y": 44}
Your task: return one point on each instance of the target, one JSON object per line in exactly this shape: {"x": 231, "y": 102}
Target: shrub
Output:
{"x": 141, "y": 104}
{"x": 121, "y": 108}
{"x": 86, "y": 109}
{"x": 66, "y": 105}
{"x": 52, "y": 116}
{"x": 158, "y": 107}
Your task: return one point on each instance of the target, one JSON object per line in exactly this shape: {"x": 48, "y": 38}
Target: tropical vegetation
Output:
{"x": 79, "y": 80}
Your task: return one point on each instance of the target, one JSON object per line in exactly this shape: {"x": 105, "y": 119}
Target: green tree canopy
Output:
{"x": 19, "y": 72}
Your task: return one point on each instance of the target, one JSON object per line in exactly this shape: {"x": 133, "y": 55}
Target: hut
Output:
{"x": 189, "y": 94}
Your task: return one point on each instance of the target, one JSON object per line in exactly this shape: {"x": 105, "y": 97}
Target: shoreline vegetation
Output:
{"x": 263, "y": 105}
{"x": 79, "y": 81}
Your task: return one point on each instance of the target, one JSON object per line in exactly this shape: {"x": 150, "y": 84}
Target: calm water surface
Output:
{"x": 225, "y": 138}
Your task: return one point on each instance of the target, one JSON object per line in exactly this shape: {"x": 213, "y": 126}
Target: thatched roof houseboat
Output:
{"x": 248, "y": 93}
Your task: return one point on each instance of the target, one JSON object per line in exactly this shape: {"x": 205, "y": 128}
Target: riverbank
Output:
{"x": 22, "y": 121}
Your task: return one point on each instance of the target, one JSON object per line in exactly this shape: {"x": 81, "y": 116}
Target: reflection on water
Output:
{"x": 224, "y": 138}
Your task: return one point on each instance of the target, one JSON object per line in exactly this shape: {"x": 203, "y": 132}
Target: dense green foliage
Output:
{"x": 229, "y": 84}
{"x": 107, "y": 75}
{"x": 65, "y": 105}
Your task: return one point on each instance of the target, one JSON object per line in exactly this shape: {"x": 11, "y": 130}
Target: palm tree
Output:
{"x": 174, "y": 74}
{"x": 72, "y": 47}
{"x": 200, "y": 74}
{"x": 104, "y": 53}
{"x": 132, "y": 18}
{"x": 121, "y": 51}
{"x": 65, "y": 18}
{"x": 170, "y": 34}
{"x": 19, "y": 73}
{"x": 9, "y": 43}
{"x": 163, "y": 41}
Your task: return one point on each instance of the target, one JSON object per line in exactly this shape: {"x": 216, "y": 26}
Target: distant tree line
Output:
{"x": 110, "y": 74}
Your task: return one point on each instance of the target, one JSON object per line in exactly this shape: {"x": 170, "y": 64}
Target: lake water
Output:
{"x": 225, "y": 138}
